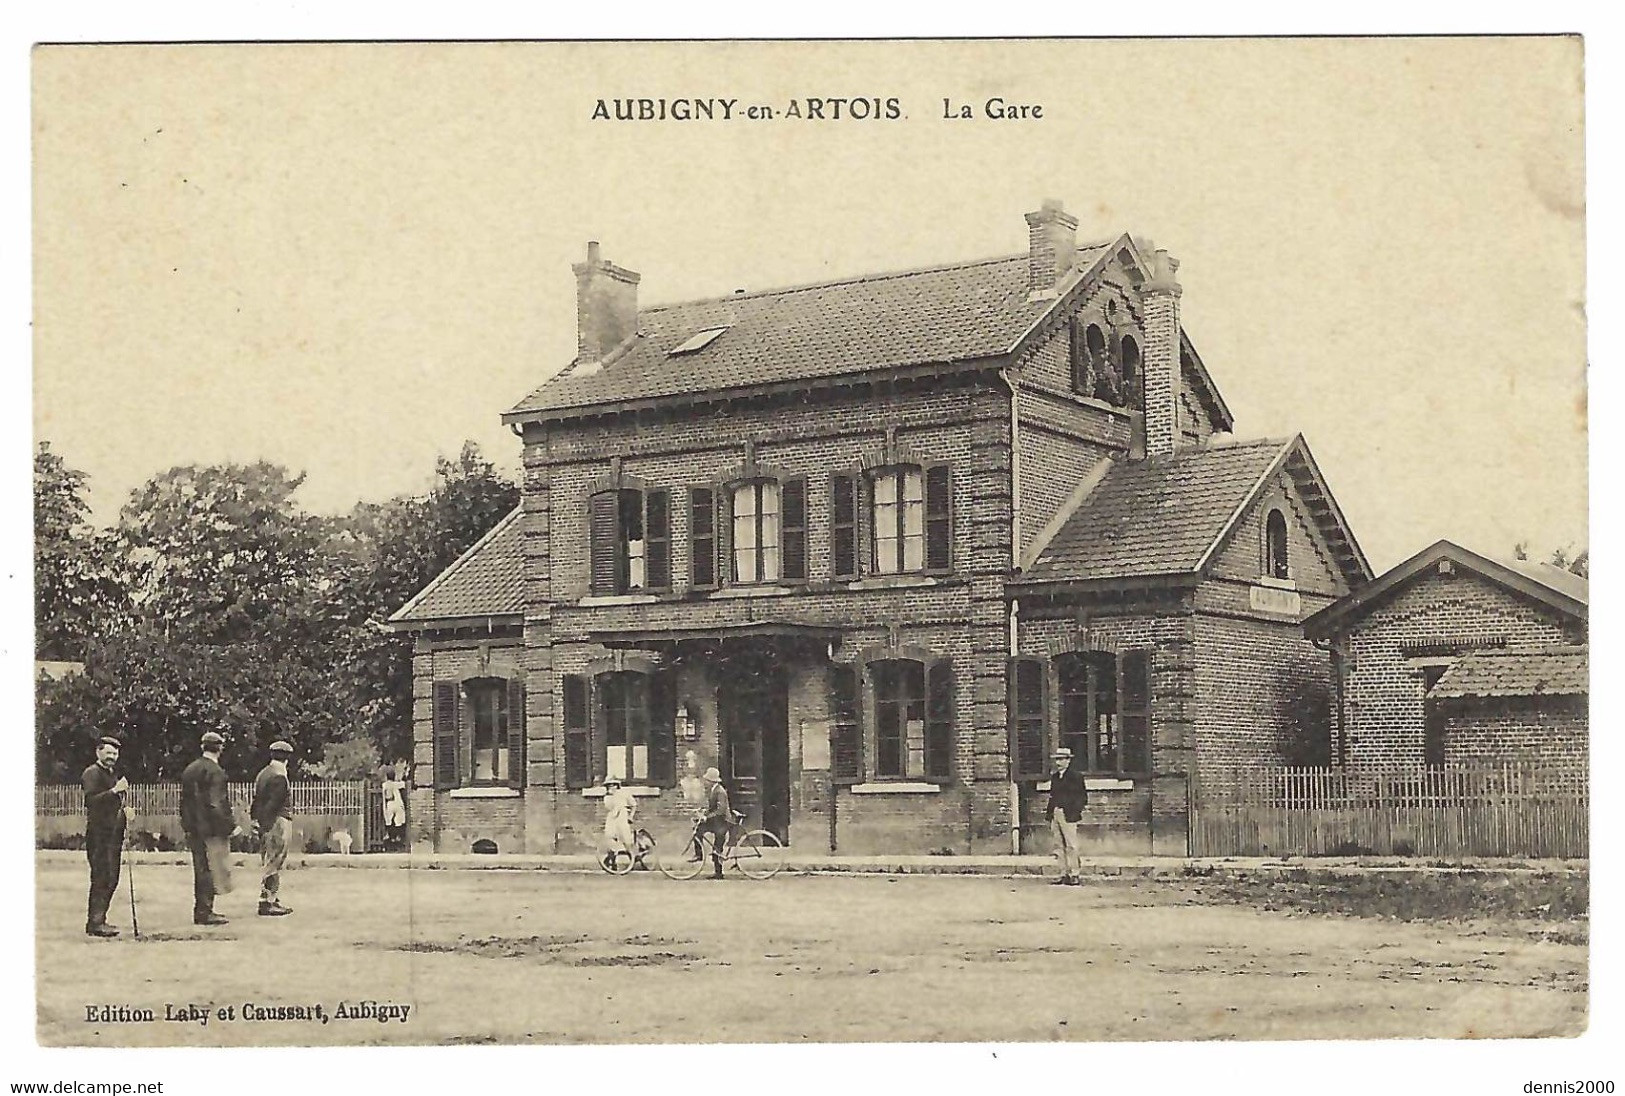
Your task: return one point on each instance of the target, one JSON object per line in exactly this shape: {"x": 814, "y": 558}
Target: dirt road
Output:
{"x": 486, "y": 956}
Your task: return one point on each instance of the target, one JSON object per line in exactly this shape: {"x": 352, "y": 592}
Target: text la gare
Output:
{"x": 995, "y": 108}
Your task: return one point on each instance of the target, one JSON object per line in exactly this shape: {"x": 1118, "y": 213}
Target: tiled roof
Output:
{"x": 882, "y": 321}
{"x": 1565, "y": 592}
{"x": 1545, "y": 671}
{"x": 1157, "y": 516}
{"x": 488, "y": 580}
{"x": 1564, "y": 582}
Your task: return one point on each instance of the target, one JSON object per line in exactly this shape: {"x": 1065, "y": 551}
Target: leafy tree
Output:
{"x": 385, "y": 553}
{"x": 73, "y": 592}
{"x": 214, "y": 553}
{"x": 248, "y": 616}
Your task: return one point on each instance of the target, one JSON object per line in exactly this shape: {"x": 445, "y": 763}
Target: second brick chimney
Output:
{"x": 1159, "y": 296}
{"x": 1052, "y": 246}
{"x": 606, "y": 305}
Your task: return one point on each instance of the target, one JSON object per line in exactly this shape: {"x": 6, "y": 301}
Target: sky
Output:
{"x": 349, "y": 258}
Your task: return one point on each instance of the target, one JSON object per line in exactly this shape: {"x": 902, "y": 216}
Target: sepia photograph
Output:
{"x": 1036, "y": 540}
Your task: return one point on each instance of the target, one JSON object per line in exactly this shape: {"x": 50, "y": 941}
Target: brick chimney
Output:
{"x": 1052, "y": 246}
{"x": 606, "y": 305}
{"x": 1159, "y": 296}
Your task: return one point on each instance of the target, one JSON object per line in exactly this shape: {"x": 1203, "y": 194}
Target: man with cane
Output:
{"x": 105, "y": 818}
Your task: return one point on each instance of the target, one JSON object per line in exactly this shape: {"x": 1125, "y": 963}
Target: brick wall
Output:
{"x": 1546, "y": 732}
{"x": 1383, "y": 686}
{"x": 1263, "y": 697}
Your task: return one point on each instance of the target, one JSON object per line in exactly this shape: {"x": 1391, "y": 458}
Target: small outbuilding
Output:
{"x": 1455, "y": 659}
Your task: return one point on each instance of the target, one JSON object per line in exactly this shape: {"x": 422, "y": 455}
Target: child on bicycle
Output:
{"x": 717, "y": 820}
{"x": 620, "y": 808}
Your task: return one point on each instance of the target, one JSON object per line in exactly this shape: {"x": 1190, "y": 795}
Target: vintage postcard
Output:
{"x": 835, "y": 542}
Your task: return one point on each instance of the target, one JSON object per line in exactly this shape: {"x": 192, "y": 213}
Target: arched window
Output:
{"x": 1088, "y": 355}
{"x": 1276, "y": 564}
{"x": 479, "y": 732}
{"x": 1131, "y": 371}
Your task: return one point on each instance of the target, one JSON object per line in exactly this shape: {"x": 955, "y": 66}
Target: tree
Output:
{"x": 73, "y": 592}
{"x": 215, "y": 552}
{"x": 248, "y": 616}
{"x": 384, "y": 554}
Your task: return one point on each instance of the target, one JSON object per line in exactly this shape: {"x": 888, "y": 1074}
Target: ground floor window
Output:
{"x": 620, "y": 724}
{"x": 1104, "y": 712}
{"x": 479, "y": 732}
{"x": 913, "y": 707}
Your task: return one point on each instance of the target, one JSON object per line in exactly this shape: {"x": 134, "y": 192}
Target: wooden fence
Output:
{"x": 320, "y": 810}
{"x": 1482, "y": 811}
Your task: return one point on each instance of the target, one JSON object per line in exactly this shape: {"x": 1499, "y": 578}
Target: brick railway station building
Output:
{"x": 873, "y": 547}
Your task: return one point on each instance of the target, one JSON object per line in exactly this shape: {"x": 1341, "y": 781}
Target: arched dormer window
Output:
{"x": 1131, "y": 370}
{"x": 1276, "y": 564}
{"x": 1088, "y": 355}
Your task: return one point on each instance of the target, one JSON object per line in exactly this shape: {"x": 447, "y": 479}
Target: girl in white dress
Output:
{"x": 620, "y": 808}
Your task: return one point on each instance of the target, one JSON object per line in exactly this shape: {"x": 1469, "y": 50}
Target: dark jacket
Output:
{"x": 272, "y": 798}
{"x": 716, "y": 804}
{"x": 104, "y": 807}
{"x": 1067, "y": 794}
{"x": 205, "y": 805}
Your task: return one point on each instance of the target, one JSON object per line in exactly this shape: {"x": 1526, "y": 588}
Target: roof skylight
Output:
{"x": 697, "y": 341}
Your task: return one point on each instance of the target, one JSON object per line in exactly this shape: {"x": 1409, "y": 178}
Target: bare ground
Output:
{"x": 496, "y": 956}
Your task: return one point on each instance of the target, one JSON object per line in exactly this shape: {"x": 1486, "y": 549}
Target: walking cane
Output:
{"x": 129, "y": 873}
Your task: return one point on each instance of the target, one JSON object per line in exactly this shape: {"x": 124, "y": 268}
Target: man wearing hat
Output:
{"x": 718, "y": 820}
{"x": 1067, "y": 798}
{"x": 273, "y": 822}
{"x": 105, "y": 816}
{"x": 206, "y": 818}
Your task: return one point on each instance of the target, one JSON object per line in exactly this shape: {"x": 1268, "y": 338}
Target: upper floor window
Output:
{"x": 899, "y": 520}
{"x": 757, "y": 528}
{"x": 911, "y": 510}
{"x": 1276, "y": 564}
{"x": 1089, "y": 355}
{"x": 479, "y": 732}
{"x": 756, "y": 532}
{"x": 630, "y": 533}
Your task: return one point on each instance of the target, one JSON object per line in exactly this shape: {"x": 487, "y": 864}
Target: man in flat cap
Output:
{"x": 105, "y": 817}
{"x": 206, "y": 818}
{"x": 1067, "y": 798}
{"x": 273, "y": 823}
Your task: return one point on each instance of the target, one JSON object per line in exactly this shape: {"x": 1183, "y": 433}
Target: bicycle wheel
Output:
{"x": 758, "y": 854}
{"x": 672, "y": 855}
{"x": 616, "y": 862}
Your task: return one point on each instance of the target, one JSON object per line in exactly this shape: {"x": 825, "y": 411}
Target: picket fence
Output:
{"x": 1503, "y": 810}
{"x": 320, "y": 809}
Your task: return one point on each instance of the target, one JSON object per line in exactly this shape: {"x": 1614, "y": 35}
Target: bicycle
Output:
{"x": 622, "y": 862}
{"x": 757, "y": 854}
